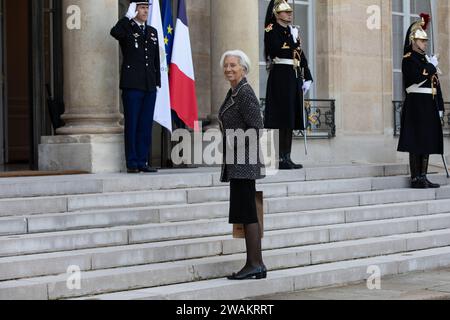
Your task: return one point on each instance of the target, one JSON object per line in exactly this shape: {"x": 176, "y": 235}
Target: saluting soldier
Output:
{"x": 421, "y": 126}
{"x": 289, "y": 78}
{"x": 140, "y": 77}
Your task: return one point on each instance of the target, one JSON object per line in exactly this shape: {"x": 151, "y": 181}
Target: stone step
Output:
{"x": 28, "y": 244}
{"x": 175, "y": 179}
{"x": 284, "y": 221}
{"x": 304, "y": 203}
{"x": 101, "y": 183}
{"x": 101, "y": 258}
{"x": 290, "y": 280}
{"x": 309, "y": 188}
{"x": 146, "y": 276}
{"x": 71, "y": 203}
{"x": 72, "y": 240}
{"x": 138, "y": 216}
{"x": 61, "y": 204}
{"x": 22, "y": 208}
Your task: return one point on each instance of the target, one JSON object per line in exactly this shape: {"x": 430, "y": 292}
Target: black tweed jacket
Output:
{"x": 240, "y": 116}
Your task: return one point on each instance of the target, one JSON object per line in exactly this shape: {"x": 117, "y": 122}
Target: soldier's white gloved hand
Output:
{"x": 132, "y": 11}
{"x": 433, "y": 60}
{"x": 306, "y": 86}
{"x": 441, "y": 114}
{"x": 294, "y": 32}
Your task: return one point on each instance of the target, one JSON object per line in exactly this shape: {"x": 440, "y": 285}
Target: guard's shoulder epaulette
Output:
{"x": 269, "y": 28}
{"x": 407, "y": 55}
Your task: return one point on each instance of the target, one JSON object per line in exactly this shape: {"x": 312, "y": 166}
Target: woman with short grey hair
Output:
{"x": 241, "y": 111}
{"x": 244, "y": 60}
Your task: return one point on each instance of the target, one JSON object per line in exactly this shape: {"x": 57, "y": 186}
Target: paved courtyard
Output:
{"x": 431, "y": 285}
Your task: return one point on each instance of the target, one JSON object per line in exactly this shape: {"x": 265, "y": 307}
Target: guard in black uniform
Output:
{"x": 140, "y": 77}
{"x": 421, "y": 126}
{"x": 289, "y": 78}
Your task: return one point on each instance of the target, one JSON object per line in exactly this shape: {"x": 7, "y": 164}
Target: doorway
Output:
{"x": 16, "y": 97}
{"x": 30, "y": 61}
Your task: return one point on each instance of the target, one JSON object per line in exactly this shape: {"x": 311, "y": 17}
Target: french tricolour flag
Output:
{"x": 182, "y": 81}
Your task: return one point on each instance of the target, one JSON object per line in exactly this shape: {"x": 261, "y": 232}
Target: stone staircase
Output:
{"x": 166, "y": 236}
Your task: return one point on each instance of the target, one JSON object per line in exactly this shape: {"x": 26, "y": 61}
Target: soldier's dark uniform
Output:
{"x": 140, "y": 77}
{"x": 421, "y": 127}
{"x": 284, "y": 88}
{"x": 284, "y": 97}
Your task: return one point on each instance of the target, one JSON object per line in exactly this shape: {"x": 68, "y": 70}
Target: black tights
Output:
{"x": 253, "y": 245}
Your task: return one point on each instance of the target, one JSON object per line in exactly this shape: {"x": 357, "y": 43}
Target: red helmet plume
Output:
{"x": 426, "y": 17}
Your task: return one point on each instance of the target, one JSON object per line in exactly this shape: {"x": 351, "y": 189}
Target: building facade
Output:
{"x": 354, "y": 49}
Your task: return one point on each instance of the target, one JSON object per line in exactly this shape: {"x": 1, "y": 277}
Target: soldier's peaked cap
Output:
{"x": 140, "y": 2}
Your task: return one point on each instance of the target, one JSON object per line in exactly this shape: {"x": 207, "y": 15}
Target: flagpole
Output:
{"x": 433, "y": 43}
{"x": 305, "y": 118}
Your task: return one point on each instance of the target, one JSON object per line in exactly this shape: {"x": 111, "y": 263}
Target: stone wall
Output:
{"x": 200, "y": 32}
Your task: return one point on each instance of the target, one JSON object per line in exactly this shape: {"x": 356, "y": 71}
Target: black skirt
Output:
{"x": 243, "y": 202}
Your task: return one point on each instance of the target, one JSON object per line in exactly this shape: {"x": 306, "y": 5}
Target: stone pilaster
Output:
{"x": 234, "y": 25}
{"x": 91, "y": 92}
{"x": 442, "y": 35}
{"x": 91, "y": 69}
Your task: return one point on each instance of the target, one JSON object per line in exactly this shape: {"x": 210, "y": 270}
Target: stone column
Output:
{"x": 442, "y": 35}
{"x": 234, "y": 25}
{"x": 92, "y": 138}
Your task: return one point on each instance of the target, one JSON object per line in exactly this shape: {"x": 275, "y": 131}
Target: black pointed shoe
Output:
{"x": 255, "y": 273}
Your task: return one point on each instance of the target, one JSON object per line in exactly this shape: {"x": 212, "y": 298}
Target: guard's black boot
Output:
{"x": 294, "y": 165}
{"x": 415, "y": 164}
{"x": 419, "y": 183}
{"x": 284, "y": 163}
{"x": 424, "y": 172}
{"x": 148, "y": 169}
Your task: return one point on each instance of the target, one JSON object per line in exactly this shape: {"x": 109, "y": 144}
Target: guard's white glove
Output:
{"x": 441, "y": 114}
{"x": 306, "y": 86}
{"x": 132, "y": 11}
{"x": 294, "y": 32}
{"x": 433, "y": 60}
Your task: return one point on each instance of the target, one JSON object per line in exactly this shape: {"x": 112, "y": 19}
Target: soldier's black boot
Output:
{"x": 288, "y": 136}
{"x": 415, "y": 164}
{"x": 424, "y": 172}
{"x": 294, "y": 165}
{"x": 284, "y": 163}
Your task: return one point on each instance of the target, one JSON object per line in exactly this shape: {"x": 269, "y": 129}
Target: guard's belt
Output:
{"x": 290, "y": 62}
{"x": 415, "y": 88}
